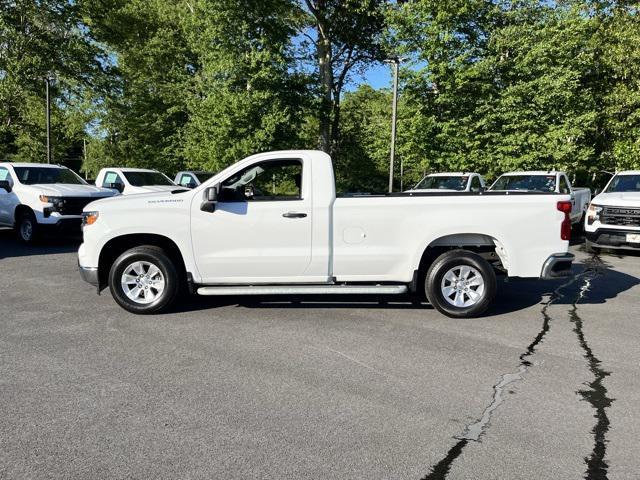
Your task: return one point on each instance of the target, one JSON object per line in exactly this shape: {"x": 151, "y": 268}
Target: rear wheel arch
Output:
{"x": 118, "y": 245}
{"x": 487, "y": 246}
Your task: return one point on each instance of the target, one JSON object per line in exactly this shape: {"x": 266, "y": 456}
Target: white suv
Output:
{"x": 36, "y": 197}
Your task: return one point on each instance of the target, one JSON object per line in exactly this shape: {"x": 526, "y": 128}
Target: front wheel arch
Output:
{"x": 118, "y": 245}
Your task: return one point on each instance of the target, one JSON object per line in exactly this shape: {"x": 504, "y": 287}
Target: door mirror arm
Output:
{"x": 210, "y": 199}
{"x": 117, "y": 186}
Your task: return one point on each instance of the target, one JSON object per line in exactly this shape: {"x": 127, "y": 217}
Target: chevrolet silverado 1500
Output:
{"x": 550, "y": 181}
{"x": 272, "y": 224}
{"x": 450, "y": 182}
{"x": 36, "y": 197}
{"x": 613, "y": 217}
{"x": 130, "y": 181}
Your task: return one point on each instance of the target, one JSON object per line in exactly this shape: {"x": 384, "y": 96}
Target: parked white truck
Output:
{"x": 272, "y": 224}
{"x": 129, "y": 181}
{"x": 36, "y": 197}
{"x": 450, "y": 182}
{"x": 613, "y": 217}
{"x": 546, "y": 182}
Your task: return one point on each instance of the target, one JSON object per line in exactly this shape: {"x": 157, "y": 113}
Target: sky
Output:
{"x": 378, "y": 76}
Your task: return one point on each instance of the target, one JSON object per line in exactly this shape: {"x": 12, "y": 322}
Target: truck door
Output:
{"x": 8, "y": 201}
{"x": 261, "y": 227}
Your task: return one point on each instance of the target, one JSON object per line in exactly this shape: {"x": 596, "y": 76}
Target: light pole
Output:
{"x": 395, "y": 62}
{"x": 48, "y": 80}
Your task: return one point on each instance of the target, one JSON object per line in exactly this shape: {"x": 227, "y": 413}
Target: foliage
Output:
{"x": 491, "y": 85}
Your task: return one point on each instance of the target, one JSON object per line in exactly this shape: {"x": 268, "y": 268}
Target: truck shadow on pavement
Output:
{"x": 10, "y": 246}
{"x": 512, "y": 297}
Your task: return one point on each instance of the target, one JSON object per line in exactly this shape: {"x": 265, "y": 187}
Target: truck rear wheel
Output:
{"x": 460, "y": 284}
{"x": 144, "y": 280}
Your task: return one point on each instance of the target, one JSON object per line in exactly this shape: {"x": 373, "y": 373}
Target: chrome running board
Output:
{"x": 304, "y": 289}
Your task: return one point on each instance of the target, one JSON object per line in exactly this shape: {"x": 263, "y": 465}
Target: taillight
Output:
{"x": 565, "y": 227}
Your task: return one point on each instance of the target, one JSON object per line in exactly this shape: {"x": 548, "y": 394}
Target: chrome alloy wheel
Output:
{"x": 462, "y": 286}
{"x": 142, "y": 282}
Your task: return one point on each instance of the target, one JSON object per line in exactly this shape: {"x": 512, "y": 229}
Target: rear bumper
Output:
{"x": 611, "y": 238}
{"x": 557, "y": 265}
{"x": 89, "y": 275}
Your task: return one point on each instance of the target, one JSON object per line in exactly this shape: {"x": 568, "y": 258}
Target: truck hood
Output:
{"x": 152, "y": 189}
{"x": 71, "y": 190}
{"x": 618, "y": 199}
{"x": 138, "y": 200}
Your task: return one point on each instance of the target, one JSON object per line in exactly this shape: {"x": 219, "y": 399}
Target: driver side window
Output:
{"x": 5, "y": 176}
{"x": 111, "y": 178}
{"x": 271, "y": 180}
{"x": 564, "y": 186}
{"x": 475, "y": 184}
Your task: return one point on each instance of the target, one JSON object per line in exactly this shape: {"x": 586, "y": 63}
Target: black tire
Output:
{"x": 27, "y": 228}
{"x": 448, "y": 262}
{"x": 147, "y": 255}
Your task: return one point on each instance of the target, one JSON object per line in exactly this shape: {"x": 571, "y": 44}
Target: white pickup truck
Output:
{"x": 272, "y": 224}
{"x": 613, "y": 217}
{"x": 450, "y": 182}
{"x": 38, "y": 197}
{"x": 130, "y": 181}
{"x": 546, "y": 182}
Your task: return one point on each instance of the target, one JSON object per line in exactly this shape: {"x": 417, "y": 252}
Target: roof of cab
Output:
{"x": 533, "y": 172}
{"x": 127, "y": 169}
{"x": 38, "y": 165}
{"x": 450, "y": 174}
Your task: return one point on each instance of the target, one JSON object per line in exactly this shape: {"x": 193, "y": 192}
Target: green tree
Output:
{"x": 246, "y": 95}
{"x": 37, "y": 40}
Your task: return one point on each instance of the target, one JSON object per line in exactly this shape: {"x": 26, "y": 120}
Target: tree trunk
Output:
{"x": 326, "y": 84}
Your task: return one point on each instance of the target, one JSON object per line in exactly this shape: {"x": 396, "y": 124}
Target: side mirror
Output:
{"x": 210, "y": 199}
{"x": 596, "y": 192}
{"x": 191, "y": 185}
{"x": 249, "y": 191}
{"x": 117, "y": 186}
{"x": 6, "y": 185}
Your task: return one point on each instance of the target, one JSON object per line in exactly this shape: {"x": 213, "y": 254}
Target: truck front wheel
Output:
{"x": 27, "y": 227}
{"x": 144, "y": 280}
{"x": 460, "y": 284}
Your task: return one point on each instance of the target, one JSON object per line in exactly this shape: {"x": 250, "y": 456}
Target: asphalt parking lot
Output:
{"x": 545, "y": 386}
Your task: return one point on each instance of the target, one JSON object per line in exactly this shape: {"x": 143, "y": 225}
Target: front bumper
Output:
{"x": 611, "y": 238}
{"x": 557, "y": 265}
{"x": 63, "y": 226}
{"x": 89, "y": 275}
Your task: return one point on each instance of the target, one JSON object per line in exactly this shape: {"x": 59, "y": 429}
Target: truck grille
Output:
{"x": 623, "y": 216}
{"x": 75, "y": 205}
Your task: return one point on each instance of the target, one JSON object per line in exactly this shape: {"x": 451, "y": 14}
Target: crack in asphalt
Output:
{"x": 474, "y": 431}
{"x": 596, "y": 395}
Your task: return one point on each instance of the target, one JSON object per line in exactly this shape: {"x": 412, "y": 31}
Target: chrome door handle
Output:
{"x": 294, "y": 215}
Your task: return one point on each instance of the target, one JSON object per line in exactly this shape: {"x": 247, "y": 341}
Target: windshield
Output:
{"x": 47, "y": 175}
{"x": 531, "y": 183}
{"x": 204, "y": 176}
{"x": 142, "y": 179}
{"x": 442, "y": 183}
{"x": 624, "y": 183}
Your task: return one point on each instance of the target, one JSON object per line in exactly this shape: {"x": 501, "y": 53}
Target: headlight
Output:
{"x": 89, "y": 218}
{"x": 57, "y": 202}
{"x": 593, "y": 213}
